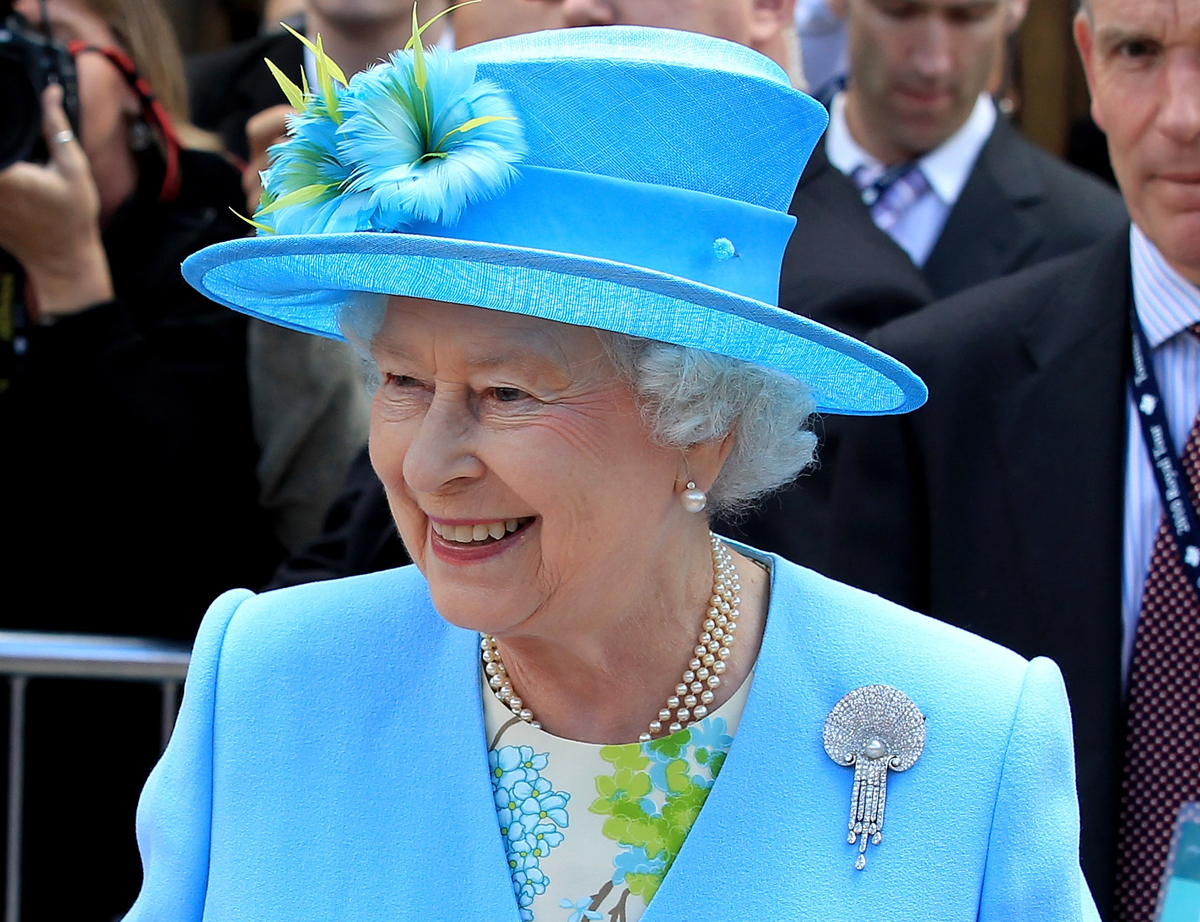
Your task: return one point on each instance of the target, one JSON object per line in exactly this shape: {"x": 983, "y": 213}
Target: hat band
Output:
{"x": 727, "y": 244}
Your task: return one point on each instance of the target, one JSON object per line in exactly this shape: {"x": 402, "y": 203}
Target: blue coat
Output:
{"x": 330, "y": 763}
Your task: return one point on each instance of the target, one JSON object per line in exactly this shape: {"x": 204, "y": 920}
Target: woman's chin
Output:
{"x": 474, "y": 585}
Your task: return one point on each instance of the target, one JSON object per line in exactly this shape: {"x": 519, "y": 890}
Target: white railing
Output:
{"x": 26, "y": 655}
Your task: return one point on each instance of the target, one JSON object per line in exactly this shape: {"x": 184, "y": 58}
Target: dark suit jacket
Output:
{"x": 228, "y": 86}
{"x": 839, "y": 268}
{"x": 843, "y": 271}
{"x": 999, "y": 505}
{"x": 1019, "y": 207}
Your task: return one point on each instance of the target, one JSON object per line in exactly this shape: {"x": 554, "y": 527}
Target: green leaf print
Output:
{"x": 626, "y": 756}
{"x": 654, "y": 818}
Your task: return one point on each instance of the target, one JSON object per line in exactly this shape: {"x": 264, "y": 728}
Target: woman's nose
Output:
{"x": 441, "y": 454}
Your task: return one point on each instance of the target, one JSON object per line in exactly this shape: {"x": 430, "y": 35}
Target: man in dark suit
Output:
{"x": 961, "y": 193}
{"x": 1021, "y": 501}
{"x": 942, "y": 172}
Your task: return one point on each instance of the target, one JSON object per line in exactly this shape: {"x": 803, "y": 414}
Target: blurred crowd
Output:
{"x": 159, "y": 449}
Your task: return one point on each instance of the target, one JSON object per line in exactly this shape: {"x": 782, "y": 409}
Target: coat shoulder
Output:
{"x": 352, "y": 616}
{"x": 994, "y": 314}
{"x": 1079, "y": 201}
{"x": 225, "y": 66}
{"x": 868, "y": 634}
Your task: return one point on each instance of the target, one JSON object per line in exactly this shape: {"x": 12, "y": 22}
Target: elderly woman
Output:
{"x": 560, "y": 251}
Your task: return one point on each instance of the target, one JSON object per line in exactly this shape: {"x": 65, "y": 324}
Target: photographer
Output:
{"x": 128, "y": 463}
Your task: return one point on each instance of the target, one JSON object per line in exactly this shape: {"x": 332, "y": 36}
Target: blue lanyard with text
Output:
{"x": 1168, "y": 472}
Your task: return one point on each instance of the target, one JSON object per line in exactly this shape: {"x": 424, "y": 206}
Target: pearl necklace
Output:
{"x": 700, "y": 680}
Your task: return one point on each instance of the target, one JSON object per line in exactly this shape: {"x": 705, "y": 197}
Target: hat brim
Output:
{"x": 302, "y": 281}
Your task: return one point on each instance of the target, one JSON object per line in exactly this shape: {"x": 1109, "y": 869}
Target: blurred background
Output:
{"x": 1044, "y": 89}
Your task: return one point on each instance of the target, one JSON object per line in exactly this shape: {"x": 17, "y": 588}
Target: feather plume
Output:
{"x": 427, "y": 138}
{"x": 414, "y": 138}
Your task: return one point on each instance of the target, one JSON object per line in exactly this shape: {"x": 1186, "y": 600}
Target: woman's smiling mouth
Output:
{"x": 478, "y": 533}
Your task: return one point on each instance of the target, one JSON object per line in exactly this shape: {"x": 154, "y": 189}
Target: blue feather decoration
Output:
{"x": 426, "y": 152}
{"x": 416, "y": 138}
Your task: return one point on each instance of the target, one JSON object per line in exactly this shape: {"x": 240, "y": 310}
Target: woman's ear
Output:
{"x": 701, "y": 463}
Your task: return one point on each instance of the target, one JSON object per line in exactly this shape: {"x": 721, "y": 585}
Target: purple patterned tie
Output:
{"x": 1162, "y": 754}
{"x": 890, "y": 192}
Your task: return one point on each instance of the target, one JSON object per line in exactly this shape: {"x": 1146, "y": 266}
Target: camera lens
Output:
{"x": 20, "y": 112}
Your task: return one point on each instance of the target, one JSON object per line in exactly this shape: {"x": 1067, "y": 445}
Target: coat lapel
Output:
{"x": 989, "y": 231}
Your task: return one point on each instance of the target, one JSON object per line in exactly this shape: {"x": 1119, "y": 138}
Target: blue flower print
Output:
{"x": 635, "y": 861}
{"x": 515, "y": 763}
{"x": 545, "y": 805}
{"x": 711, "y": 734}
{"x": 530, "y": 813}
{"x": 582, "y": 907}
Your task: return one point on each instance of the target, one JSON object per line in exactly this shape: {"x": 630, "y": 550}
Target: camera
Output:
{"x": 30, "y": 60}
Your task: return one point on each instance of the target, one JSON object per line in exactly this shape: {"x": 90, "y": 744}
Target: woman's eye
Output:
{"x": 401, "y": 380}
{"x": 509, "y": 394}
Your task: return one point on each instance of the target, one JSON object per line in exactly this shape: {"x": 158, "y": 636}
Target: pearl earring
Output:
{"x": 693, "y": 500}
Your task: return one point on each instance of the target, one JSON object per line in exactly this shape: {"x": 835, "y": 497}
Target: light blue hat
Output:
{"x": 628, "y": 179}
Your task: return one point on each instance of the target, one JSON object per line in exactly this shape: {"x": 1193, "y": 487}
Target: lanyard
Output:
{"x": 1168, "y": 472}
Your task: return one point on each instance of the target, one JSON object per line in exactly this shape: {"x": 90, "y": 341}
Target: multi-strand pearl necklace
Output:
{"x": 700, "y": 680}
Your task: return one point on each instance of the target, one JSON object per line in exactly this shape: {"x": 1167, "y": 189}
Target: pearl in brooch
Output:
{"x": 700, "y": 680}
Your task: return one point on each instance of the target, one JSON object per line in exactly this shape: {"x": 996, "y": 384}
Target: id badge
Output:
{"x": 1180, "y": 896}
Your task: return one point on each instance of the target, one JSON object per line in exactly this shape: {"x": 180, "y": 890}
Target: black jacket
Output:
{"x": 839, "y": 268}
{"x": 1020, "y": 207}
{"x": 843, "y": 271}
{"x": 228, "y": 86}
{"x": 131, "y": 501}
{"x": 998, "y": 506}
{"x": 129, "y": 458}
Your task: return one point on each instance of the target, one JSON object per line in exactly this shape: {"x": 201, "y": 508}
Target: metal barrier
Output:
{"x": 25, "y": 655}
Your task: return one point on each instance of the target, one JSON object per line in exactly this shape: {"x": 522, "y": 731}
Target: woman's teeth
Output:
{"x": 466, "y": 534}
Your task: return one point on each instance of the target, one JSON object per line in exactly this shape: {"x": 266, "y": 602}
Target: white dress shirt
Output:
{"x": 946, "y": 167}
{"x": 1167, "y": 304}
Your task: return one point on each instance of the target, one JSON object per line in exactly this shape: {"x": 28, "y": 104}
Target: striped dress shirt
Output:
{"x": 1167, "y": 304}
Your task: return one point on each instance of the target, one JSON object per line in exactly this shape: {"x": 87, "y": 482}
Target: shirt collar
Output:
{"x": 1167, "y": 303}
{"x": 947, "y": 167}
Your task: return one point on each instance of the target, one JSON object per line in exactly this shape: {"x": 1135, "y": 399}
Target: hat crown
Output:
{"x": 657, "y": 106}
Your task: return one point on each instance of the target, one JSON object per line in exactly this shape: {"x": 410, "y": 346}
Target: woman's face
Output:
{"x": 519, "y": 431}
{"x": 106, "y": 102}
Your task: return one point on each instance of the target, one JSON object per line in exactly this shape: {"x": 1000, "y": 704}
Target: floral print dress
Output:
{"x": 591, "y": 831}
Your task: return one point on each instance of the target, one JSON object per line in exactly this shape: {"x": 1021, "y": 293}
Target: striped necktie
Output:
{"x": 1162, "y": 753}
{"x": 890, "y": 192}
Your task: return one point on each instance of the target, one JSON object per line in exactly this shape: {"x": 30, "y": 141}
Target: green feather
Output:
{"x": 293, "y": 93}
{"x": 417, "y": 32}
{"x": 299, "y": 197}
{"x": 254, "y": 224}
{"x": 475, "y": 123}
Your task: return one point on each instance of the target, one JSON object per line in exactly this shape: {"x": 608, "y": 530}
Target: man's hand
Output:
{"x": 50, "y": 220}
{"x": 262, "y": 130}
